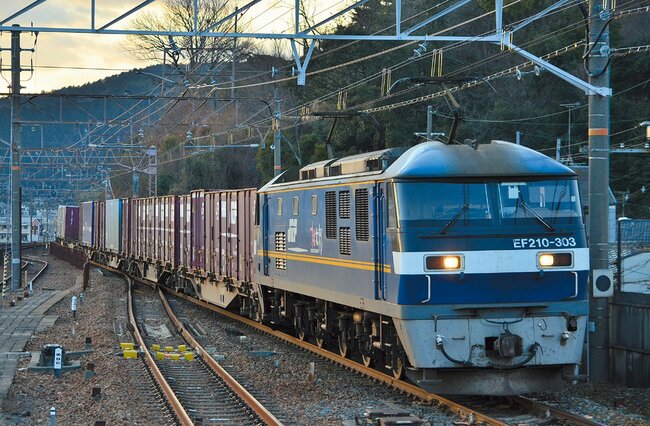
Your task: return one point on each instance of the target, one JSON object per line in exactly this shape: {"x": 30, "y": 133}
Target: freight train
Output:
{"x": 462, "y": 267}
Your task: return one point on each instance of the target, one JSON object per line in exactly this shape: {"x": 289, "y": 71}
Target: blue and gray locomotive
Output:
{"x": 462, "y": 267}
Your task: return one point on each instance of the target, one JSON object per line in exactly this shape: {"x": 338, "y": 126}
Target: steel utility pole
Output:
{"x": 277, "y": 136}
{"x": 599, "y": 75}
{"x": 16, "y": 211}
{"x": 234, "y": 65}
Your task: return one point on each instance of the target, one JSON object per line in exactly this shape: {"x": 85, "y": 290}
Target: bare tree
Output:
{"x": 195, "y": 51}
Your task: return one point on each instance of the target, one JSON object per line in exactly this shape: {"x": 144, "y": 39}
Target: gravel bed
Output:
{"x": 33, "y": 393}
{"x": 336, "y": 395}
{"x": 281, "y": 372}
{"x": 605, "y": 403}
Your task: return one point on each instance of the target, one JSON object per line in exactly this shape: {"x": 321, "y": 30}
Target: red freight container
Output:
{"x": 185, "y": 228}
{"x": 215, "y": 256}
{"x": 158, "y": 207}
{"x": 229, "y": 228}
{"x": 99, "y": 224}
{"x": 126, "y": 248}
{"x": 150, "y": 228}
{"x": 212, "y": 229}
{"x": 167, "y": 235}
{"x": 198, "y": 230}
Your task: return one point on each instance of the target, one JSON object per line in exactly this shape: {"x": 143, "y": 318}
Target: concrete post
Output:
{"x": 598, "y": 183}
{"x": 16, "y": 211}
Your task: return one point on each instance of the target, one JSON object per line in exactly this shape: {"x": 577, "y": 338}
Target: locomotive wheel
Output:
{"x": 320, "y": 342}
{"x": 368, "y": 361}
{"x": 398, "y": 368}
{"x": 344, "y": 349}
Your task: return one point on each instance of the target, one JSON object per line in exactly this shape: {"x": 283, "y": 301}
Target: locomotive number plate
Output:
{"x": 559, "y": 242}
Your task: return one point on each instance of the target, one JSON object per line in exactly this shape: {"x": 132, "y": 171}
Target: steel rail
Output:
{"x": 241, "y": 392}
{"x": 181, "y": 414}
{"x": 459, "y": 409}
{"x": 557, "y": 412}
{"x": 38, "y": 274}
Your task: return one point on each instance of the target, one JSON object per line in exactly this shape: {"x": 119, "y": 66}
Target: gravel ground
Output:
{"x": 606, "y": 403}
{"x": 33, "y": 393}
{"x": 334, "y": 396}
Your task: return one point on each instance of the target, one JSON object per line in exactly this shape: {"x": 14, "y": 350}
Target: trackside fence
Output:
{"x": 630, "y": 311}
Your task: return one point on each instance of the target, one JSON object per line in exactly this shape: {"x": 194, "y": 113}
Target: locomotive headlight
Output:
{"x": 546, "y": 259}
{"x": 451, "y": 262}
{"x": 444, "y": 263}
{"x": 554, "y": 260}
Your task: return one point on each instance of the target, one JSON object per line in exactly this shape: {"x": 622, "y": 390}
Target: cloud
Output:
{"x": 60, "y": 58}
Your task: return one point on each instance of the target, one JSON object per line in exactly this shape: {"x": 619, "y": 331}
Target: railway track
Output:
{"x": 198, "y": 390}
{"x": 35, "y": 267}
{"x": 516, "y": 410}
{"x": 32, "y": 267}
{"x": 520, "y": 410}
{"x": 143, "y": 383}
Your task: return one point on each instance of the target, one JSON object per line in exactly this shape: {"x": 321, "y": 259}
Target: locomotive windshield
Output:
{"x": 450, "y": 206}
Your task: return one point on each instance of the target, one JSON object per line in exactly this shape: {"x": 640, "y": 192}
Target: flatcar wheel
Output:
{"x": 320, "y": 342}
{"x": 344, "y": 349}
{"x": 368, "y": 361}
{"x": 301, "y": 334}
{"x": 398, "y": 368}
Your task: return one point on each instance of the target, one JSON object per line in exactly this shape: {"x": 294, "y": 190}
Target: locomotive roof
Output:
{"x": 498, "y": 158}
{"x": 435, "y": 160}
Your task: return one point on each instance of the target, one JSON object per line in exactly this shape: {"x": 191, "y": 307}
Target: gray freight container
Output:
{"x": 67, "y": 223}
{"x": 60, "y": 222}
{"x": 113, "y": 228}
{"x": 86, "y": 211}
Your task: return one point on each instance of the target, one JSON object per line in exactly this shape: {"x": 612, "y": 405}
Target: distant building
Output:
{"x": 5, "y": 231}
{"x": 39, "y": 228}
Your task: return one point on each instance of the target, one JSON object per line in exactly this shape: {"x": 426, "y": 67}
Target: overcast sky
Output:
{"x": 72, "y": 59}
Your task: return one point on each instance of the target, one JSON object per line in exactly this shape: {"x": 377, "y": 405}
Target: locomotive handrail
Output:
{"x": 575, "y": 294}
{"x": 428, "y": 289}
